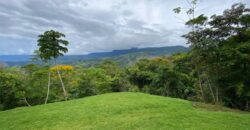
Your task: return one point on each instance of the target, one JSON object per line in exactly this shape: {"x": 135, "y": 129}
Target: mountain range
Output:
{"x": 125, "y": 56}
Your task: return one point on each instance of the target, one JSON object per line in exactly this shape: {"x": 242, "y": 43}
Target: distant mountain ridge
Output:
{"x": 150, "y": 50}
{"x": 115, "y": 54}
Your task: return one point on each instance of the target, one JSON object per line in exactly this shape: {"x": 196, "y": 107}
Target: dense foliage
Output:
{"x": 51, "y": 45}
{"x": 220, "y": 55}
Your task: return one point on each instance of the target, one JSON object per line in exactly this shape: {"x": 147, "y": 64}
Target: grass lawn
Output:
{"x": 122, "y": 111}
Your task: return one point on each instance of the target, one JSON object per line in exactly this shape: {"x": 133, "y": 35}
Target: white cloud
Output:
{"x": 97, "y": 25}
{"x": 20, "y": 51}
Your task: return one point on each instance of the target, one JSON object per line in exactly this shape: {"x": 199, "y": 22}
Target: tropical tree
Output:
{"x": 34, "y": 77}
{"x": 120, "y": 79}
{"x": 220, "y": 47}
{"x": 9, "y": 90}
{"x": 190, "y": 11}
{"x": 94, "y": 81}
{"x": 51, "y": 46}
{"x": 142, "y": 73}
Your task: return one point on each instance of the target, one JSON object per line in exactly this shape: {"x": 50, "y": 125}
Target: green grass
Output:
{"x": 122, "y": 111}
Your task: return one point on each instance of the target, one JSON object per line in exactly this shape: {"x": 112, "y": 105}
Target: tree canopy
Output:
{"x": 51, "y": 45}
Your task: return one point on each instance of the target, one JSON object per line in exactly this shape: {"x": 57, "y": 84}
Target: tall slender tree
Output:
{"x": 190, "y": 11}
{"x": 51, "y": 46}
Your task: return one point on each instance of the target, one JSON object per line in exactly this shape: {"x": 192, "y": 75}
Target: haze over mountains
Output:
{"x": 126, "y": 55}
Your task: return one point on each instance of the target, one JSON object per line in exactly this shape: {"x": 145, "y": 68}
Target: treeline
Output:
{"x": 27, "y": 85}
{"x": 215, "y": 70}
{"x": 220, "y": 56}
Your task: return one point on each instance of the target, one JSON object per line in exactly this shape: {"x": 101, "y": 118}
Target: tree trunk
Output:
{"x": 210, "y": 87}
{"x": 64, "y": 91}
{"x": 25, "y": 100}
{"x": 167, "y": 91}
{"x": 217, "y": 94}
{"x": 217, "y": 77}
{"x": 247, "y": 106}
{"x": 200, "y": 85}
{"x": 47, "y": 97}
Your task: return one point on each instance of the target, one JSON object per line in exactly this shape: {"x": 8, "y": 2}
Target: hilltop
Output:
{"x": 121, "y": 111}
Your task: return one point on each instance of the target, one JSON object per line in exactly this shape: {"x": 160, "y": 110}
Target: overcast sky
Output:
{"x": 97, "y": 25}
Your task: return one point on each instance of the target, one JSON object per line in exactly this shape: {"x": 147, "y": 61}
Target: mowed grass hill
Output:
{"x": 122, "y": 111}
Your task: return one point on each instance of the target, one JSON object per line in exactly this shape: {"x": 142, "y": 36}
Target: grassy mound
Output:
{"x": 121, "y": 111}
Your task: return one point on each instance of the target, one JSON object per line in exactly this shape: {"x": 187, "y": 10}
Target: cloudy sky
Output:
{"x": 97, "y": 25}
